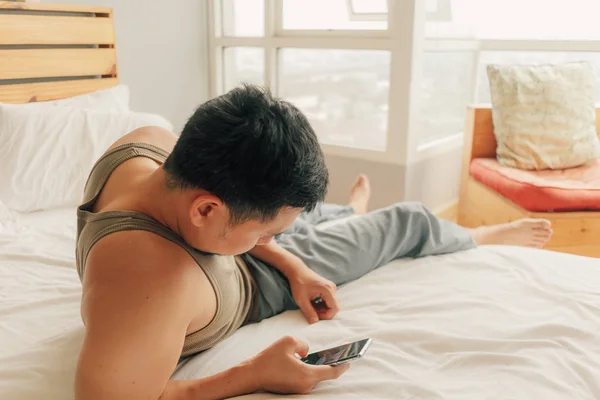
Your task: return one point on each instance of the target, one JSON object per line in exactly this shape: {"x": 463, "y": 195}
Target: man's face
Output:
{"x": 216, "y": 234}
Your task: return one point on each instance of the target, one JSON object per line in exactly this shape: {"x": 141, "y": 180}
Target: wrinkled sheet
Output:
{"x": 495, "y": 322}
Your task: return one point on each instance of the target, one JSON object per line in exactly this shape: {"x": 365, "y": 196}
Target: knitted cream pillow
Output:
{"x": 544, "y": 116}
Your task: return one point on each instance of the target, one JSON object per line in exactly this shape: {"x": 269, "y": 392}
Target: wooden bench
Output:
{"x": 574, "y": 232}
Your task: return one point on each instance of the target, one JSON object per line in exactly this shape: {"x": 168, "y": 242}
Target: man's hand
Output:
{"x": 308, "y": 286}
{"x": 277, "y": 369}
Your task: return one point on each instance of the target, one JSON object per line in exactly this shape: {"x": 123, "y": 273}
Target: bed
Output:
{"x": 494, "y": 322}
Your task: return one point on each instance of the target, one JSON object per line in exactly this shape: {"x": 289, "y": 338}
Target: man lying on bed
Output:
{"x": 163, "y": 218}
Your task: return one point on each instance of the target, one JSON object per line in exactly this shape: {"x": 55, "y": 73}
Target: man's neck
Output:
{"x": 157, "y": 201}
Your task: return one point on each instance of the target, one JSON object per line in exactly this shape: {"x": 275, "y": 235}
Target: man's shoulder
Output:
{"x": 126, "y": 269}
{"x": 154, "y": 135}
{"x": 139, "y": 256}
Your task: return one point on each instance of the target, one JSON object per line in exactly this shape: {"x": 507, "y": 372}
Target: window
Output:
{"x": 444, "y": 92}
{"x": 531, "y": 57}
{"x": 344, "y": 93}
{"x": 368, "y": 8}
{"x": 332, "y": 59}
{"x": 438, "y": 10}
{"x": 476, "y": 33}
{"x": 519, "y": 20}
{"x": 243, "y": 17}
{"x": 334, "y": 14}
{"x": 338, "y": 60}
{"x": 243, "y": 64}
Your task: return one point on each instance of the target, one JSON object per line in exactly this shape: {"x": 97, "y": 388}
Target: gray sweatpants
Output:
{"x": 351, "y": 248}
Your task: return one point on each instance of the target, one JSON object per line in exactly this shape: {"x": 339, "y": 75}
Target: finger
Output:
{"x": 302, "y": 350}
{"x": 308, "y": 310}
{"x": 326, "y": 372}
{"x": 296, "y": 345}
{"x": 327, "y": 314}
{"x": 333, "y": 287}
{"x": 331, "y": 302}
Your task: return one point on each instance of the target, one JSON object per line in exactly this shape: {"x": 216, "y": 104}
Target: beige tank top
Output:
{"x": 233, "y": 284}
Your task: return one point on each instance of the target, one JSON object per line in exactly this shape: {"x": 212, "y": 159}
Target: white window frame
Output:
{"x": 443, "y": 12}
{"x": 478, "y": 46}
{"x": 360, "y": 16}
{"x": 400, "y": 39}
{"x": 405, "y": 39}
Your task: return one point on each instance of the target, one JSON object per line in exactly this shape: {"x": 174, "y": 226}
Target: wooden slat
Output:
{"x": 484, "y": 141}
{"x": 43, "y": 63}
{"x": 575, "y": 231}
{"x": 448, "y": 212}
{"x": 483, "y": 206}
{"x": 46, "y": 91}
{"x": 586, "y": 251}
{"x": 463, "y": 193}
{"x": 32, "y": 29}
{"x": 568, "y": 215}
{"x": 10, "y": 5}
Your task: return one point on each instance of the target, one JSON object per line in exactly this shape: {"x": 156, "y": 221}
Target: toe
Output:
{"x": 543, "y": 234}
{"x": 361, "y": 181}
{"x": 533, "y": 223}
{"x": 538, "y": 243}
{"x": 365, "y": 181}
{"x": 541, "y": 224}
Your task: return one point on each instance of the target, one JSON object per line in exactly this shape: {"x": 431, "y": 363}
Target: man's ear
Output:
{"x": 204, "y": 207}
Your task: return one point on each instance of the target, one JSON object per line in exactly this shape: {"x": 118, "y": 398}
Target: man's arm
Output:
{"x": 136, "y": 313}
{"x": 275, "y": 255}
{"x": 139, "y": 299}
{"x": 306, "y": 285}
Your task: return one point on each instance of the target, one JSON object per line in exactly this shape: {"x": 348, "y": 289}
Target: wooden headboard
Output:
{"x": 50, "y": 52}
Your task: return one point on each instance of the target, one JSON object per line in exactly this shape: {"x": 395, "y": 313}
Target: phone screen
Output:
{"x": 336, "y": 354}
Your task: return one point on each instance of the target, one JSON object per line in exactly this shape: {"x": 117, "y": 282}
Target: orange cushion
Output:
{"x": 572, "y": 189}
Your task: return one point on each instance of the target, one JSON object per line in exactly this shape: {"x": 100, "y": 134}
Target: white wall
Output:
{"x": 162, "y": 54}
{"x": 387, "y": 180}
{"x": 434, "y": 181}
{"x": 162, "y": 50}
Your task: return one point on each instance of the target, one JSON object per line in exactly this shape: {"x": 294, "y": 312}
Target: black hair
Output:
{"x": 256, "y": 152}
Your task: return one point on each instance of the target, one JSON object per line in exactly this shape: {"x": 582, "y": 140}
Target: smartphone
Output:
{"x": 340, "y": 354}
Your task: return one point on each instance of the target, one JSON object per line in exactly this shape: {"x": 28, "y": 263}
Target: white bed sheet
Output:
{"x": 496, "y": 322}
{"x": 59, "y": 220}
{"x": 39, "y": 286}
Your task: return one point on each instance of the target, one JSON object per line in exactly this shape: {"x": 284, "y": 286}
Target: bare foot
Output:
{"x": 524, "y": 232}
{"x": 360, "y": 193}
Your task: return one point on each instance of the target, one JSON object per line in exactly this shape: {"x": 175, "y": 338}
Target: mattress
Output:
{"x": 559, "y": 190}
{"x": 494, "y": 322}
